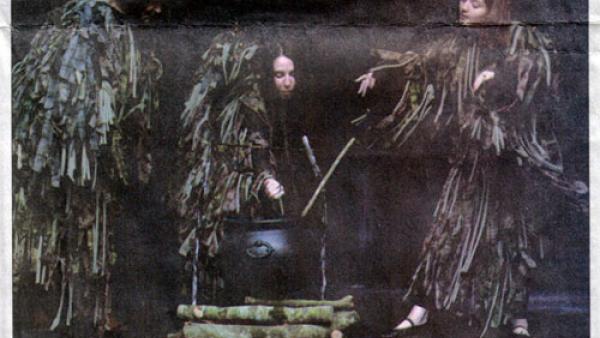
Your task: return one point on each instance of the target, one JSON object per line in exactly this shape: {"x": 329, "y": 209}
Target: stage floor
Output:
{"x": 552, "y": 315}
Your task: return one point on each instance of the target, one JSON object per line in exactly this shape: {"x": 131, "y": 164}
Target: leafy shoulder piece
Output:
{"x": 81, "y": 83}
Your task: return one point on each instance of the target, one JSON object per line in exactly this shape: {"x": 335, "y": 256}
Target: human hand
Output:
{"x": 367, "y": 81}
{"x": 484, "y": 76}
{"x": 273, "y": 189}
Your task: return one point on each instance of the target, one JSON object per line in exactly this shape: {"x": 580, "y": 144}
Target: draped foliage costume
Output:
{"x": 480, "y": 246}
{"x": 83, "y": 97}
{"x": 224, "y": 142}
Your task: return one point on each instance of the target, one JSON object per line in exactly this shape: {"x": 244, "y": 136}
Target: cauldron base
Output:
{"x": 267, "y": 261}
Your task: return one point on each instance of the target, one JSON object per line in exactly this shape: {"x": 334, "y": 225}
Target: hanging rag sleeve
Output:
{"x": 533, "y": 139}
{"x": 224, "y": 143}
{"x": 428, "y": 77}
{"x": 82, "y": 100}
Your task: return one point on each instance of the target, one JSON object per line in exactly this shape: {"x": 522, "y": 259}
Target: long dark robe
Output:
{"x": 291, "y": 163}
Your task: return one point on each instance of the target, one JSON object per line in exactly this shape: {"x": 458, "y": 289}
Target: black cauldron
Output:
{"x": 270, "y": 258}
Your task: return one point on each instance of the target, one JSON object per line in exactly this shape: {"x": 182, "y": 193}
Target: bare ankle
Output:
{"x": 520, "y": 322}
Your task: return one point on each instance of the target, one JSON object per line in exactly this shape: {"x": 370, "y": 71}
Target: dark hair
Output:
{"x": 498, "y": 11}
{"x": 268, "y": 52}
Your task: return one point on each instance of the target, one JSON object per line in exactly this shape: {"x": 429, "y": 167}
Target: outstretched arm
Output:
{"x": 389, "y": 60}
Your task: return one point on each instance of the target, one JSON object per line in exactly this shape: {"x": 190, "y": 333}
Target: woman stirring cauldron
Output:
{"x": 236, "y": 118}
{"x": 491, "y": 87}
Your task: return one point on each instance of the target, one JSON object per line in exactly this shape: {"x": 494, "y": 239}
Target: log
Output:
{"x": 258, "y": 314}
{"x": 178, "y": 334}
{"x": 195, "y": 330}
{"x": 344, "y": 319}
{"x": 342, "y": 303}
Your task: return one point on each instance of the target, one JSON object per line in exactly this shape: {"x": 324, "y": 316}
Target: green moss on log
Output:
{"x": 193, "y": 330}
{"x": 343, "y": 303}
{"x": 259, "y": 314}
{"x": 344, "y": 319}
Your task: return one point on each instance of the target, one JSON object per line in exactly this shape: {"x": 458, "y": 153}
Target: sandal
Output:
{"x": 412, "y": 329}
{"x": 520, "y": 334}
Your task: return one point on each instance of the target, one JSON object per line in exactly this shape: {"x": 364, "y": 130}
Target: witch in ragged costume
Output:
{"x": 82, "y": 102}
{"x": 489, "y": 88}
{"x": 236, "y": 118}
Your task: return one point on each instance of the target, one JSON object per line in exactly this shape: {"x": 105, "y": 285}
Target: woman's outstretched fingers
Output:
{"x": 367, "y": 81}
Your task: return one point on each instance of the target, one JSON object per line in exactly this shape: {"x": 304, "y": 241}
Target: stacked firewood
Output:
{"x": 294, "y": 318}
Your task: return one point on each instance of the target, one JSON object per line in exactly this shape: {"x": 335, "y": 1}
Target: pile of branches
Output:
{"x": 294, "y": 318}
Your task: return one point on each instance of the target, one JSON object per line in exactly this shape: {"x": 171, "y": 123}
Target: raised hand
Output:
{"x": 367, "y": 81}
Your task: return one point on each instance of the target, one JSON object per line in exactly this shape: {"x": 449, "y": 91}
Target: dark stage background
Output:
{"x": 380, "y": 204}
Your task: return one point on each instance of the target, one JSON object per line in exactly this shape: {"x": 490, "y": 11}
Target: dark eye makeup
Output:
{"x": 282, "y": 74}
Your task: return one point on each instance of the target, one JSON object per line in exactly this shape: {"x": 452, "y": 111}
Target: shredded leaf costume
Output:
{"x": 82, "y": 100}
{"x": 225, "y": 141}
{"x": 480, "y": 246}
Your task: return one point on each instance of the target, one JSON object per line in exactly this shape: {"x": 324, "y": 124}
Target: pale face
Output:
{"x": 473, "y": 11}
{"x": 283, "y": 76}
